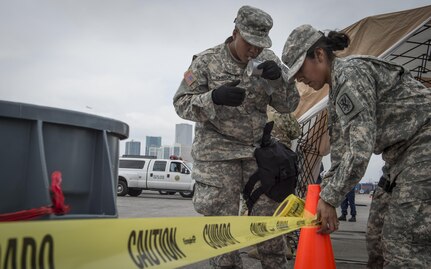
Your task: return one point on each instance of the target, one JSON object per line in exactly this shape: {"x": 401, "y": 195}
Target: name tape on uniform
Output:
{"x": 133, "y": 243}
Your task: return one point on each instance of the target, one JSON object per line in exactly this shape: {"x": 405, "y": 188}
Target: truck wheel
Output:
{"x": 135, "y": 192}
{"x": 186, "y": 194}
{"x": 122, "y": 188}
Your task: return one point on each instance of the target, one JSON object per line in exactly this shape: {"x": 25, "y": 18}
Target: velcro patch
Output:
{"x": 345, "y": 104}
{"x": 347, "y": 107}
{"x": 189, "y": 77}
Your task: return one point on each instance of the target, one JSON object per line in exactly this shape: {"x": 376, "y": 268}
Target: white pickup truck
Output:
{"x": 165, "y": 176}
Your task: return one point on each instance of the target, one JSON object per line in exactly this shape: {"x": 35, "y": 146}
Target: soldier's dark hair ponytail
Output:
{"x": 334, "y": 41}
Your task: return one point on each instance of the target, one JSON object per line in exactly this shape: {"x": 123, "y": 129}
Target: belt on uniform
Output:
{"x": 386, "y": 185}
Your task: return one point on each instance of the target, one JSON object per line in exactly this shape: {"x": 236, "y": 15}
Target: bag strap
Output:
{"x": 253, "y": 198}
{"x": 248, "y": 188}
{"x": 249, "y": 196}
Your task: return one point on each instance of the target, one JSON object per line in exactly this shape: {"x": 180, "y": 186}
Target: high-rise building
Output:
{"x": 152, "y": 151}
{"x": 166, "y": 152}
{"x": 186, "y": 153}
{"x": 183, "y": 134}
{"x": 160, "y": 153}
{"x": 176, "y": 150}
{"x": 133, "y": 148}
{"x": 152, "y": 142}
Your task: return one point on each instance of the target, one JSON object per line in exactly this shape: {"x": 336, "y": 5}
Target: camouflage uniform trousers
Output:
{"x": 378, "y": 209}
{"x": 406, "y": 234}
{"x": 218, "y": 188}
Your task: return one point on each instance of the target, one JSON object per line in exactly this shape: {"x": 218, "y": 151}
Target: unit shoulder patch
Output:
{"x": 345, "y": 104}
{"x": 347, "y": 107}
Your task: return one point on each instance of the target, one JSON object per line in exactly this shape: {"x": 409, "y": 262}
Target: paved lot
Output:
{"x": 348, "y": 243}
{"x": 151, "y": 204}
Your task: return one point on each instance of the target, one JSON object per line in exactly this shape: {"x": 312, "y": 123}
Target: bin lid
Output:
{"x": 63, "y": 116}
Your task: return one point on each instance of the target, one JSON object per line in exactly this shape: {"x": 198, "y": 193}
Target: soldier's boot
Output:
{"x": 352, "y": 219}
{"x": 342, "y": 218}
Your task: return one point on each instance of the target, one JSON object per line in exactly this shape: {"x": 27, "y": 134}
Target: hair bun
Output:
{"x": 338, "y": 40}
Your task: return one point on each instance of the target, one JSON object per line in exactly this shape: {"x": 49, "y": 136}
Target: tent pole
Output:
{"x": 402, "y": 40}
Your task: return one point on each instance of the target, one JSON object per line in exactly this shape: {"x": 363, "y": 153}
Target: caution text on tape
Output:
{"x": 133, "y": 243}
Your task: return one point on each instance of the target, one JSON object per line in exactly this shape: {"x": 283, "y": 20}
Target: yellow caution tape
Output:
{"x": 133, "y": 243}
{"x": 292, "y": 206}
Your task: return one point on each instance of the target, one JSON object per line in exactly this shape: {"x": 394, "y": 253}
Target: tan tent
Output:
{"x": 376, "y": 34}
{"x": 403, "y": 37}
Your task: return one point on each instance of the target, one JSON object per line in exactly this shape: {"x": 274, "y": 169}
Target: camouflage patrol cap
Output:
{"x": 254, "y": 25}
{"x": 295, "y": 49}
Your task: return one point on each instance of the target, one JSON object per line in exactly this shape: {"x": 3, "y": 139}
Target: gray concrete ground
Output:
{"x": 348, "y": 242}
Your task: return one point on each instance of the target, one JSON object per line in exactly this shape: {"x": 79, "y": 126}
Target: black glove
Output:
{"x": 228, "y": 94}
{"x": 271, "y": 70}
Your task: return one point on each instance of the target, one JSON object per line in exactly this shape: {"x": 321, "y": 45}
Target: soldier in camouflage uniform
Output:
{"x": 229, "y": 108}
{"x": 286, "y": 127}
{"x": 374, "y": 107}
{"x": 378, "y": 209}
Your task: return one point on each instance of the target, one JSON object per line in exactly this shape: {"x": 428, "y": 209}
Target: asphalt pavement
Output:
{"x": 348, "y": 242}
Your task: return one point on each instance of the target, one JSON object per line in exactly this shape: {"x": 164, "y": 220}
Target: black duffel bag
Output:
{"x": 277, "y": 171}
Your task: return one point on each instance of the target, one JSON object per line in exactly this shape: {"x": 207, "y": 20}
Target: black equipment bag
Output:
{"x": 277, "y": 171}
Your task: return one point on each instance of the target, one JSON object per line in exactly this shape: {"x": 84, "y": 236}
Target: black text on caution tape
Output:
{"x": 218, "y": 235}
{"x": 153, "y": 247}
{"x": 27, "y": 253}
{"x": 259, "y": 228}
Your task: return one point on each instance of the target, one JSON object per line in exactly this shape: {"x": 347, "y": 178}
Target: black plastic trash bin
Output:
{"x": 37, "y": 140}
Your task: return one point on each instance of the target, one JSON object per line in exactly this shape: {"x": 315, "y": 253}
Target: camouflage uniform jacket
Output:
{"x": 286, "y": 127}
{"x": 374, "y": 107}
{"x": 224, "y": 132}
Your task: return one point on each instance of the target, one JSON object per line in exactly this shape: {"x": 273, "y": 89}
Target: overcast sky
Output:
{"x": 124, "y": 59}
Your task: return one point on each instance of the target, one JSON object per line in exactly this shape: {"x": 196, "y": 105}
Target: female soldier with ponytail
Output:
{"x": 374, "y": 107}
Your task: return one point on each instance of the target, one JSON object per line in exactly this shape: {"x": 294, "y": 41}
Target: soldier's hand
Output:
{"x": 228, "y": 94}
{"x": 327, "y": 215}
{"x": 271, "y": 70}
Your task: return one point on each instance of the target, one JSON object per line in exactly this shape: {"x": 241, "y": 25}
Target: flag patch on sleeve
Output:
{"x": 189, "y": 77}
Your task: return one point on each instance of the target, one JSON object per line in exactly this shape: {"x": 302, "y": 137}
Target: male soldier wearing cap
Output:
{"x": 229, "y": 108}
{"x": 377, "y": 107}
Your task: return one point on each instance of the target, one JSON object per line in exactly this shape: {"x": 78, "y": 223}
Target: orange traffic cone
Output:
{"x": 314, "y": 250}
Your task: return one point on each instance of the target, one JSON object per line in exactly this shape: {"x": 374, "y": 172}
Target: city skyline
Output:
{"x": 133, "y": 148}
{"x": 183, "y": 133}
{"x": 152, "y": 142}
